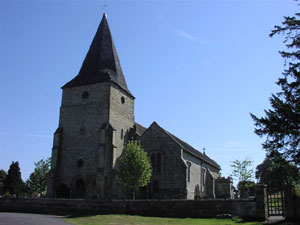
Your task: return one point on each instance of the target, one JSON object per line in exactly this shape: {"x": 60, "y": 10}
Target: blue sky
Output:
{"x": 197, "y": 68}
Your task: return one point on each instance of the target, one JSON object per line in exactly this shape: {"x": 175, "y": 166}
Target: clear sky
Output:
{"x": 197, "y": 68}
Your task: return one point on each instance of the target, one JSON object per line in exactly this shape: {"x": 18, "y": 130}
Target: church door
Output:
{"x": 79, "y": 189}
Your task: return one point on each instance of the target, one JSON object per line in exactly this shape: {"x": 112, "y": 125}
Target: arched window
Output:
{"x": 153, "y": 163}
{"x": 85, "y": 95}
{"x": 203, "y": 175}
{"x": 158, "y": 163}
{"x": 189, "y": 164}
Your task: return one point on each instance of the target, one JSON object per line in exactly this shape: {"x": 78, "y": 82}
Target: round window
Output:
{"x": 82, "y": 130}
{"x": 122, "y": 100}
{"x": 85, "y": 94}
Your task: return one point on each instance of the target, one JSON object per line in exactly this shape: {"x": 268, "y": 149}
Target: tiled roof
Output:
{"x": 139, "y": 129}
{"x": 192, "y": 150}
{"x": 101, "y": 63}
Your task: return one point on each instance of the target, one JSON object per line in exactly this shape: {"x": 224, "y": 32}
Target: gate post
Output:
{"x": 261, "y": 201}
{"x": 289, "y": 192}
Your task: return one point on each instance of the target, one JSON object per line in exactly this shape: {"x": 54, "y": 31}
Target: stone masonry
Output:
{"x": 96, "y": 121}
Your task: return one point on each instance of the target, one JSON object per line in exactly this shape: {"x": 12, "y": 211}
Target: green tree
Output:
{"x": 276, "y": 172}
{"x": 281, "y": 123}
{"x": 2, "y": 179}
{"x": 134, "y": 167}
{"x": 13, "y": 183}
{"x": 246, "y": 188}
{"x": 37, "y": 182}
{"x": 242, "y": 171}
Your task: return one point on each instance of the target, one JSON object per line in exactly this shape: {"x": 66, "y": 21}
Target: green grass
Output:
{"x": 275, "y": 203}
{"x": 141, "y": 220}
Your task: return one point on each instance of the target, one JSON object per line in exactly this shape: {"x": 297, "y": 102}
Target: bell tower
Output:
{"x": 96, "y": 114}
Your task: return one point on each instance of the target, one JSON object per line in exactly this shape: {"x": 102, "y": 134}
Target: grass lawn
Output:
{"x": 141, "y": 220}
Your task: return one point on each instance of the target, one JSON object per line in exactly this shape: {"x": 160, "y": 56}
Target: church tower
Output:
{"x": 96, "y": 114}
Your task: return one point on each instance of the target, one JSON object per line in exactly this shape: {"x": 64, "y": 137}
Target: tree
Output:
{"x": 37, "y": 182}
{"x": 276, "y": 172}
{"x": 13, "y": 183}
{"x": 281, "y": 123}
{"x": 2, "y": 179}
{"x": 244, "y": 174}
{"x": 134, "y": 167}
{"x": 241, "y": 170}
{"x": 246, "y": 189}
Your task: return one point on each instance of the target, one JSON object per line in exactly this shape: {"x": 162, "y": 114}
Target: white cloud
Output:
{"x": 190, "y": 37}
{"x": 186, "y": 35}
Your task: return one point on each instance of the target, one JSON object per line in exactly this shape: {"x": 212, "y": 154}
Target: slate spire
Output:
{"x": 101, "y": 63}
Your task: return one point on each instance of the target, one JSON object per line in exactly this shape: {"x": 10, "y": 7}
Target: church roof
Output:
{"x": 101, "y": 63}
{"x": 194, "y": 151}
{"x": 190, "y": 149}
{"x": 139, "y": 129}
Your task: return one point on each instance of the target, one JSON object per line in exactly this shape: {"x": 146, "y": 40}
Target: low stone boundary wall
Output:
{"x": 245, "y": 208}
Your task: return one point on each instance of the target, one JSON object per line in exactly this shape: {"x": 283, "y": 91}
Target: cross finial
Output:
{"x": 204, "y": 150}
{"x": 104, "y": 6}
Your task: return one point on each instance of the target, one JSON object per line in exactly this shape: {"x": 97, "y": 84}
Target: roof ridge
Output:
{"x": 139, "y": 129}
{"x": 178, "y": 140}
{"x": 169, "y": 134}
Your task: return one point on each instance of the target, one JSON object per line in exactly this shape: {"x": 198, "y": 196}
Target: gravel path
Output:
{"x": 30, "y": 219}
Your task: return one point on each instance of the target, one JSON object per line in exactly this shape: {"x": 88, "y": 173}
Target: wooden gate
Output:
{"x": 275, "y": 201}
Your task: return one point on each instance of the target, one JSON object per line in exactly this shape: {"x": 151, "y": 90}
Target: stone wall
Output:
{"x": 245, "y": 208}
{"x": 178, "y": 174}
{"x": 224, "y": 188}
{"x": 199, "y": 175}
{"x": 121, "y": 117}
{"x": 93, "y": 126}
{"x": 169, "y": 175}
{"x": 83, "y": 112}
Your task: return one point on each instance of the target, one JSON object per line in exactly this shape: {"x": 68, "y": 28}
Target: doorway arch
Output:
{"x": 79, "y": 189}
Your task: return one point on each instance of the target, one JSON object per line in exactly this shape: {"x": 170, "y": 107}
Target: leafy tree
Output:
{"x": 242, "y": 171}
{"x": 281, "y": 123}
{"x": 276, "y": 172}
{"x": 2, "y": 178}
{"x": 246, "y": 188}
{"x": 297, "y": 190}
{"x": 134, "y": 167}
{"x": 37, "y": 182}
{"x": 13, "y": 183}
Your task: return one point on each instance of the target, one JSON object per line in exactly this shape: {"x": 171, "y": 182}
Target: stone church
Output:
{"x": 96, "y": 121}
